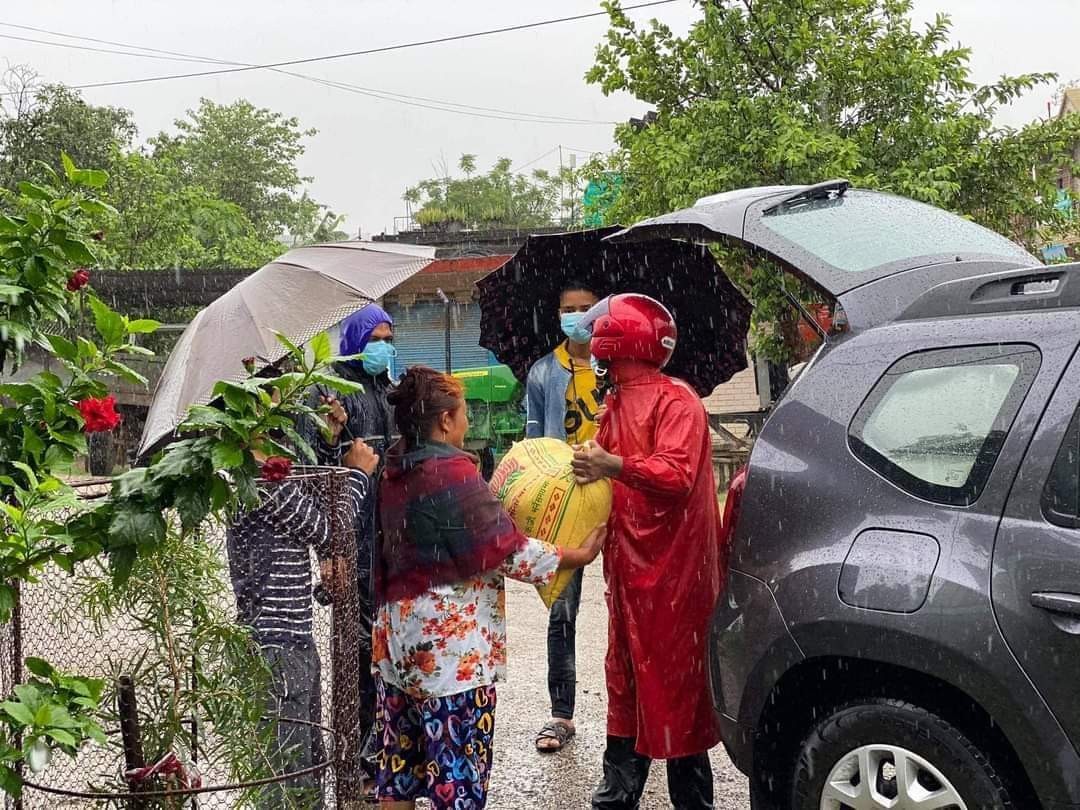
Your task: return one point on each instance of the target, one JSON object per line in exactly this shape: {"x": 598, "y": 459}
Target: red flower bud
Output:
{"x": 276, "y": 468}
{"x": 249, "y": 364}
{"x": 99, "y": 415}
{"x": 79, "y": 279}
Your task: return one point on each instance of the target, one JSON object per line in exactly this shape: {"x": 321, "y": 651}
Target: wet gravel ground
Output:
{"x": 525, "y": 780}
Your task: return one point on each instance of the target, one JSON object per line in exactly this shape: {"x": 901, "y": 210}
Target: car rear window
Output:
{"x": 935, "y": 422}
{"x": 860, "y": 231}
{"x": 1061, "y": 496}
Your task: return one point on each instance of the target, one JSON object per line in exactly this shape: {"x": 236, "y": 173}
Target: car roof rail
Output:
{"x": 1020, "y": 290}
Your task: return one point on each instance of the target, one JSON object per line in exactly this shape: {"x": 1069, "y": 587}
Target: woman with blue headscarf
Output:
{"x": 368, "y": 336}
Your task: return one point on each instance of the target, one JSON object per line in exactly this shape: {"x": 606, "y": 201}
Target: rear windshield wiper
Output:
{"x": 818, "y": 191}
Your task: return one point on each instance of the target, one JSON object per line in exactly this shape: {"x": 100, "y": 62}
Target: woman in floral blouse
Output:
{"x": 440, "y": 629}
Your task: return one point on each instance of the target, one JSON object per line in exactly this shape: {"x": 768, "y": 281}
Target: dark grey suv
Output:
{"x": 901, "y": 628}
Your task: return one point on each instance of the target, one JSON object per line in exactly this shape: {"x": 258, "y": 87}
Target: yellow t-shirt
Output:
{"x": 582, "y": 398}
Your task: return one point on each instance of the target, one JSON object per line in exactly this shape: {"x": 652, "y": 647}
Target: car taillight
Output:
{"x": 732, "y": 506}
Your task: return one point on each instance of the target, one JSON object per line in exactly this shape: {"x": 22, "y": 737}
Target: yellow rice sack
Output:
{"x": 536, "y": 485}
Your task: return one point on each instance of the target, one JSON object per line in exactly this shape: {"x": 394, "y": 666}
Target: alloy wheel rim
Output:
{"x": 887, "y": 777}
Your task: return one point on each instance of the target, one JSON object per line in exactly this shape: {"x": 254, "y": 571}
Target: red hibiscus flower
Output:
{"x": 276, "y": 468}
{"x": 79, "y": 279}
{"x": 99, "y": 415}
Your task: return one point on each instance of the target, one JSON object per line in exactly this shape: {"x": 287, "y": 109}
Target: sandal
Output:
{"x": 558, "y": 731}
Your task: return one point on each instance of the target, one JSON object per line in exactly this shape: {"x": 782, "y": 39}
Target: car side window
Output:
{"x": 1061, "y": 495}
{"x": 935, "y": 422}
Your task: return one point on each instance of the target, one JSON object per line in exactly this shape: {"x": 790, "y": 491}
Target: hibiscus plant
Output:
{"x": 48, "y": 234}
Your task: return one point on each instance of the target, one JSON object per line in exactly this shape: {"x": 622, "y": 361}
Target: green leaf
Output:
{"x": 338, "y": 384}
{"x": 143, "y": 326}
{"x": 32, "y": 442}
{"x": 96, "y": 208}
{"x": 10, "y": 782}
{"x": 7, "y": 601}
{"x": 11, "y": 292}
{"x": 227, "y": 456}
{"x": 29, "y": 694}
{"x": 109, "y": 324}
{"x": 35, "y": 192}
{"x": 134, "y": 524}
{"x": 75, "y": 250}
{"x": 62, "y": 737}
{"x": 301, "y": 446}
{"x": 219, "y": 493}
{"x": 62, "y": 347}
{"x": 91, "y": 178}
{"x": 40, "y": 667}
{"x": 51, "y": 714}
{"x": 19, "y": 712}
{"x": 122, "y": 560}
{"x": 69, "y": 165}
{"x": 126, "y": 373}
{"x": 193, "y": 505}
{"x": 294, "y": 350}
{"x": 320, "y": 347}
{"x": 203, "y": 417}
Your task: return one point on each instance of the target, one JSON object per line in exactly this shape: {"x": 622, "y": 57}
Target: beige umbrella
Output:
{"x": 300, "y": 294}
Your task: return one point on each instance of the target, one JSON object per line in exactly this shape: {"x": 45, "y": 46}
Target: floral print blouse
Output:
{"x": 452, "y": 638}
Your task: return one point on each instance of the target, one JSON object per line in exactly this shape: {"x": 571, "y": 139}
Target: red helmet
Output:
{"x": 631, "y": 327}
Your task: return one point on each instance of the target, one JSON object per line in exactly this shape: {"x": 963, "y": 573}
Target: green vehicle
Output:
{"x": 495, "y": 402}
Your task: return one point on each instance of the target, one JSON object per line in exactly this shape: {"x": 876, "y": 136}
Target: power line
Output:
{"x": 382, "y": 49}
{"x": 193, "y": 57}
{"x": 106, "y": 50}
{"x": 384, "y": 95}
{"x": 550, "y": 151}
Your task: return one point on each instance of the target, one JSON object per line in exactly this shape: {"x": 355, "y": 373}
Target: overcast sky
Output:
{"x": 369, "y": 150}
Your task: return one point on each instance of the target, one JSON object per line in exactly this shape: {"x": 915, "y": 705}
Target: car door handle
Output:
{"x": 1067, "y": 603}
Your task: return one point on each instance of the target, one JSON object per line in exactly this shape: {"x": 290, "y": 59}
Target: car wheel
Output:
{"x": 890, "y": 754}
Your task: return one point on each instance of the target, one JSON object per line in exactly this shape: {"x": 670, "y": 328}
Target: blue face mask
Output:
{"x": 377, "y": 357}
{"x": 570, "y": 322}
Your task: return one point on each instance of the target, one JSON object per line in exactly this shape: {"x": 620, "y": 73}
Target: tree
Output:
{"x": 245, "y": 155}
{"x": 765, "y": 92}
{"x": 39, "y": 121}
{"x": 499, "y": 198}
{"x": 164, "y": 221}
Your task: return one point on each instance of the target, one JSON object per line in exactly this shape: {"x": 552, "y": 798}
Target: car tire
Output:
{"x": 867, "y": 736}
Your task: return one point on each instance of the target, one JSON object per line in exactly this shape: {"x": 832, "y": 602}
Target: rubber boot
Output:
{"x": 625, "y": 772}
{"x": 690, "y": 783}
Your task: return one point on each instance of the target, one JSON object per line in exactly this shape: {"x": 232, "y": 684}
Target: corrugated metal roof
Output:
{"x": 467, "y": 264}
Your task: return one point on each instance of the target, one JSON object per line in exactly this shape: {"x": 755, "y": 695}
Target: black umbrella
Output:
{"x": 519, "y": 302}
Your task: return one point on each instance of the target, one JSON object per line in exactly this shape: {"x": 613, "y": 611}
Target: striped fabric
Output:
{"x": 270, "y": 560}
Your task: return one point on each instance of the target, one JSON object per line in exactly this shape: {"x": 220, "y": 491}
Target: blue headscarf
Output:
{"x": 357, "y": 328}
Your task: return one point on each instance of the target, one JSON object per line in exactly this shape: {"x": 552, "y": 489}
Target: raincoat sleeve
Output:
{"x": 672, "y": 467}
{"x": 534, "y": 404}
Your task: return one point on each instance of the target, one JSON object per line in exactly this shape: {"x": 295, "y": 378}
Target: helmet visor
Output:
{"x": 599, "y": 310}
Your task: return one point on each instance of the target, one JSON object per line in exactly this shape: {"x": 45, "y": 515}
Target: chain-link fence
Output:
{"x": 206, "y": 688}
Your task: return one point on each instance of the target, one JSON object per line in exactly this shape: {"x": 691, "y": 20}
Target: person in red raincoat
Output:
{"x": 662, "y": 561}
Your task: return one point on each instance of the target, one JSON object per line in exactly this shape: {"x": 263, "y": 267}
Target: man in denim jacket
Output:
{"x": 563, "y": 403}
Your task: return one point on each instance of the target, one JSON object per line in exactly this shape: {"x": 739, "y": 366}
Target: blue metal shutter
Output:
{"x": 420, "y": 335}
